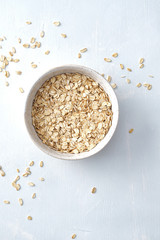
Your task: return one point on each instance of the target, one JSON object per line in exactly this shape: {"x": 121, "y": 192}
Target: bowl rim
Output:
{"x": 33, "y": 135}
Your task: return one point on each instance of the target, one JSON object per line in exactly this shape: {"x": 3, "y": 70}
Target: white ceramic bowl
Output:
{"x": 71, "y": 69}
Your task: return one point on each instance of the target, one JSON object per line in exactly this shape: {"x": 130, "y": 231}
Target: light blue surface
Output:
{"x": 126, "y": 173}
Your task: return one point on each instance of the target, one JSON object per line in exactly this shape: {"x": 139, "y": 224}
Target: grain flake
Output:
{"x": 63, "y": 35}
{"x": 83, "y": 50}
{"x": 34, "y": 65}
{"x": 6, "y": 202}
{"x": 107, "y": 60}
{"x": 131, "y": 130}
{"x": 18, "y": 72}
{"x": 79, "y": 55}
{"x": 141, "y": 66}
{"x": 57, "y": 23}
{"x": 121, "y": 66}
{"x": 47, "y": 52}
{"x": 26, "y": 45}
{"x": 109, "y": 78}
{"x": 141, "y": 60}
{"x": 21, "y": 90}
{"x": 94, "y": 190}
{"x": 29, "y": 218}
{"x": 34, "y": 196}
{"x": 41, "y": 164}
{"x": 20, "y": 201}
{"x": 7, "y": 84}
{"x": 31, "y": 163}
{"x": 31, "y": 184}
{"x": 115, "y": 55}
{"x": 32, "y": 40}
{"x": 128, "y": 81}
{"x": 74, "y": 236}
{"x": 113, "y": 85}
{"x": 42, "y": 34}
{"x": 129, "y": 69}
{"x": 139, "y": 85}
{"x": 42, "y": 179}
{"x": 28, "y": 22}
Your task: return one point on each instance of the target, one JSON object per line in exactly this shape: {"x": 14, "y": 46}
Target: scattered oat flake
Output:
{"x": 142, "y": 65}
{"x": 115, "y": 55}
{"x": 31, "y": 184}
{"x": 151, "y": 76}
{"x": 20, "y": 201}
{"x": 107, "y": 60}
{"x": 29, "y": 22}
{"x": 131, "y": 130}
{"x": 34, "y": 65}
{"x": 7, "y": 84}
{"x": 26, "y": 45}
{"x": 18, "y": 72}
{"x": 74, "y": 236}
{"x": 34, "y": 195}
{"x": 123, "y": 76}
{"x": 149, "y": 87}
{"x": 1, "y": 39}
{"x": 38, "y": 44}
{"x": 83, "y": 50}
{"x": 21, "y": 90}
{"x": 41, "y": 164}
{"x": 113, "y": 85}
{"x": 141, "y": 60}
{"x": 63, "y": 35}
{"x": 42, "y": 179}
{"x": 128, "y": 81}
{"x": 18, "y": 171}
{"x": 31, "y": 163}
{"x": 109, "y": 78}
{"x": 11, "y": 54}
{"x": 129, "y": 69}
{"x": 2, "y": 173}
{"x": 7, "y": 74}
{"x": 121, "y": 66}
{"x": 19, "y": 40}
{"x": 6, "y": 202}
{"x": 79, "y": 55}
{"x": 13, "y": 50}
{"x": 139, "y": 85}
{"x": 32, "y": 40}
{"x": 0, "y": 47}
{"x": 16, "y": 60}
{"x": 47, "y": 52}
{"x": 94, "y": 190}
{"x": 29, "y": 218}
{"x": 57, "y": 23}
{"x": 42, "y": 34}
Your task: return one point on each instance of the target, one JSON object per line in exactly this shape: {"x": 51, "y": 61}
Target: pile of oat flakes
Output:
{"x": 71, "y": 113}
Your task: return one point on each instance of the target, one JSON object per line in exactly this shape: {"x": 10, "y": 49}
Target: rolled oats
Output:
{"x": 107, "y": 60}
{"x": 121, "y": 66}
{"x": 71, "y": 113}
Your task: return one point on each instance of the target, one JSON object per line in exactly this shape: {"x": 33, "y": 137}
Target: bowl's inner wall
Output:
{"x": 70, "y": 69}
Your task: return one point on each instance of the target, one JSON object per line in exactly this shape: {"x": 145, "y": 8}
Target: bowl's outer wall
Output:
{"x": 70, "y": 69}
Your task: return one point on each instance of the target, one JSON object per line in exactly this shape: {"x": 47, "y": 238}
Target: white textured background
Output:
{"x": 127, "y": 172}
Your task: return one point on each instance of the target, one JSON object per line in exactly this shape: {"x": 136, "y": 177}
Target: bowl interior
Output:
{"x": 71, "y": 69}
